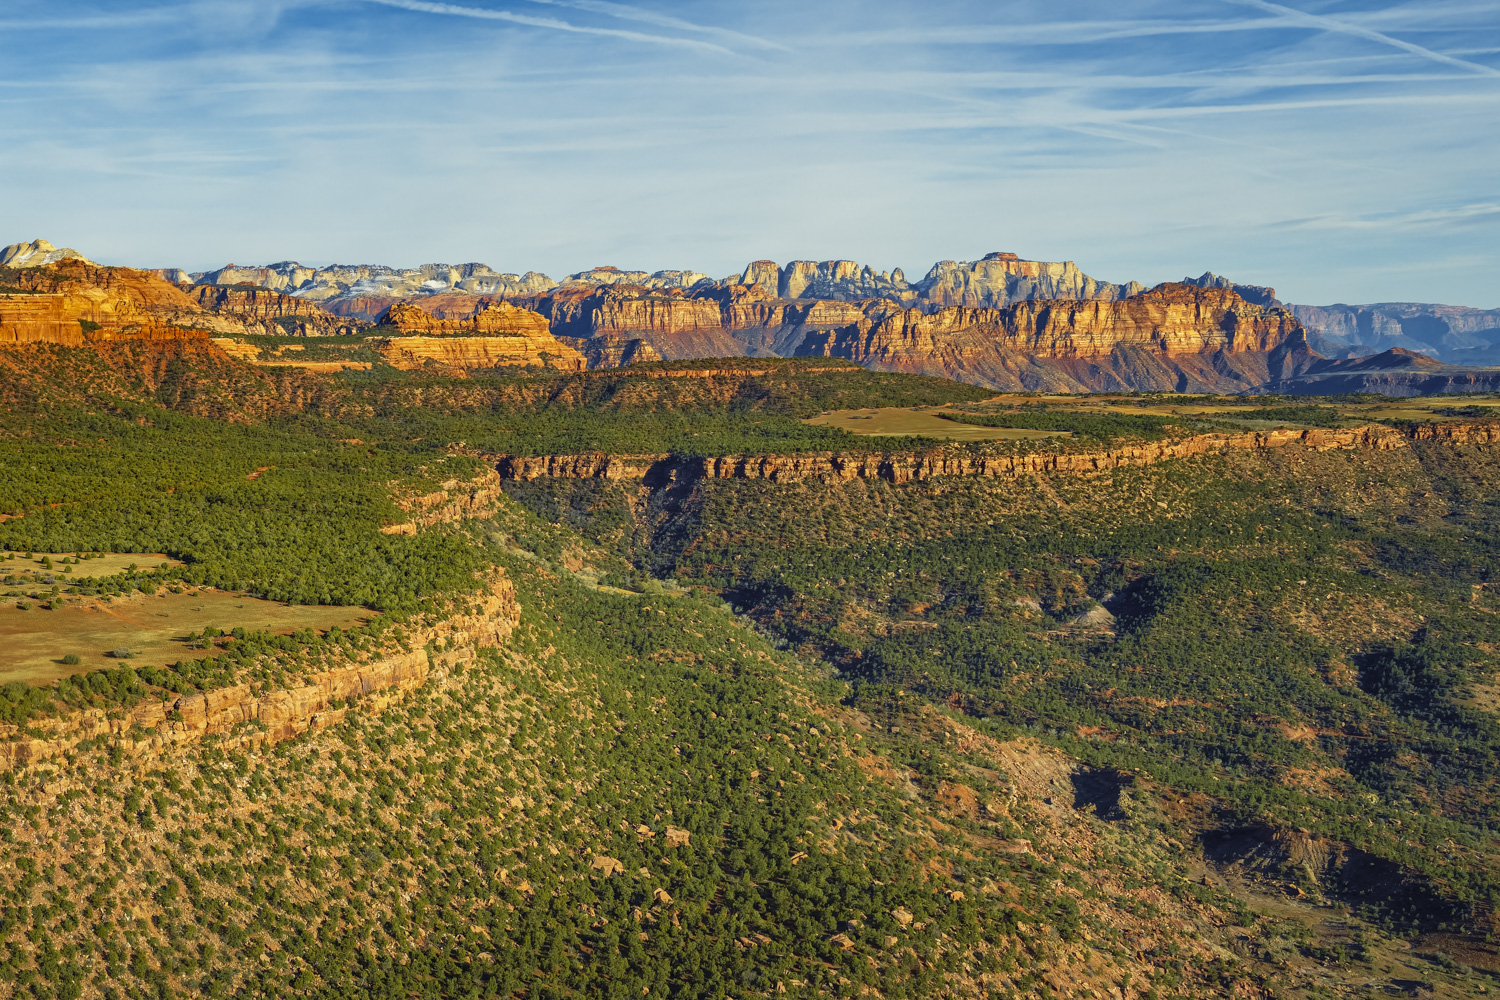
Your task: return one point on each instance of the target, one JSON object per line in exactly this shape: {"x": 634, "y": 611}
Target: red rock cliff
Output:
{"x": 75, "y": 302}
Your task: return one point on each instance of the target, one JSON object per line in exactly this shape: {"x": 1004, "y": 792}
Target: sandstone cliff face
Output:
{"x": 699, "y": 323}
{"x": 674, "y": 323}
{"x": 272, "y": 313}
{"x": 1260, "y": 295}
{"x": 460, "y": 354}
{"x": 900, "y": 467}
{"x": 1000, "y": 279}
{"x": 610, "y": 351}
{"x": 493, "y": 335}
{"x": 365, "y": 290}
{"x": 1073, "y": 344}
{"x": 485, "y": 316}
{"x": 282, "y": 714}
{"x": 610, "y": 275}
{"x": 844, "y": 280}
{"x": 997, "y": 280}
{"x": 74, "y": 302}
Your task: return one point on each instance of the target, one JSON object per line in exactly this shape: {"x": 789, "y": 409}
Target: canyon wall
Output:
{"x": 1171, "y": 338}
{"x": 901, "y": 467}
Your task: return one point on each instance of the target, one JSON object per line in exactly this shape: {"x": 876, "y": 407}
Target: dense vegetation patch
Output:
{"x": 1289, "y": 634}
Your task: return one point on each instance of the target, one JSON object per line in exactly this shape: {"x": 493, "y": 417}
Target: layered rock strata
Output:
{"x": 1000, "y": 279}
{"x": 484, "y": 316}
{"x": 464, "y": 353}
{"x": 272, "y": 313}
{"x": 491, "y": 335}
{"x": 901, "y": 467}
{"x": 246, "y": 715}
{"x": 610, "y": 351}
{"x": 1174, "y": 337}
{"x": 74, "y": 302}
{"x": 365, "y": 290}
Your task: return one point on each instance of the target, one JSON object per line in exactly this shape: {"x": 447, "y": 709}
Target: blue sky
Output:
{"x": 1341, "y": 151}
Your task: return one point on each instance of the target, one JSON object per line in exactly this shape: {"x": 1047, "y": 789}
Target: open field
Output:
{"x": 921, "y": 421}
{"x": 1429, "y": 408}
{"x": 16, "y": 564}
{"x": 33, "y": 642}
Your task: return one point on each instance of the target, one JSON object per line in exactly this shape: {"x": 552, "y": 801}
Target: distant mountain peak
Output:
{"x": 37, "y": 253}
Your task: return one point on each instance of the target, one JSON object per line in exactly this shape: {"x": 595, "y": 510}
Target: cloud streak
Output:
{"x": 1161, "y": 138}
{"x": 1337, "y": 26}
{"x": 485, "y": 14}
{"x": 626, "y": 12}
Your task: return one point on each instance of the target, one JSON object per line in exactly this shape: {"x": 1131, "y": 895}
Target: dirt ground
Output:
{"x": 33, "y": 642}
{"x": 16, "y": 564}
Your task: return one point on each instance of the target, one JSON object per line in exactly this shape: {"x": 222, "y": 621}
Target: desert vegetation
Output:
{"x": 1216, "y": 726}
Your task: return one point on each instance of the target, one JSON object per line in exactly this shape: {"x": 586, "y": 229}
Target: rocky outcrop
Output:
{"x": 494, "y": 334}
{"x": 1455, "y": 334}
{"x": 38, "y": 253}
{"x": 844, "y": 280}
{"x": 610, "y": 275}
{"x": 485, "y": 316}
{"x": 994, "y": 347}
{"x": 1174, "y": 337}
{"x": 1261, "y": 295}
{"x": 272, "y": 313}
{"x": 464, "y": 353}
{"x": 900, "y": 467}
{"x": 609, "y": 351}
{"x": 279, "y": 714}
{"x": 348, "y": 290}
{"x": 75, "y": 302}
{"x": 999, "y": 279}
{"x": 596, "y": 465}
{"x": 699, "y": 323}
{"x": 455, "y": 500}
{"x": 366, "y": 290}
{"x": 1396, "y": 372}
{"x": 675, "y": 323}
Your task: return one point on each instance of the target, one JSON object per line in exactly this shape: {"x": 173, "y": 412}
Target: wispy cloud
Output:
{"x": 626, "y": 12}
{"x": 1440, "y": 218}
{"x": 1165, "y": 137}
{"x": 485, "y": 14}
{"x": 1342, "y": 27}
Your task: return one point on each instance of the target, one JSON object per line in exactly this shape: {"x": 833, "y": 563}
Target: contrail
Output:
{"x": 454, "y": 10}
{"x": 1344, "y": 28}
{"x": 626, "y": 12}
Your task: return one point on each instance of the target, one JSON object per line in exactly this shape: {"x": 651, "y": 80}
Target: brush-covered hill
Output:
{"x": 1210, "y": 717}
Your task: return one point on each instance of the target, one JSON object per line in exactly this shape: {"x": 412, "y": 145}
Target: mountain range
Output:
{"x": 1001, "y": 322}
